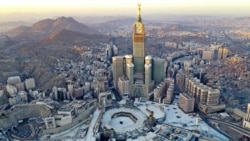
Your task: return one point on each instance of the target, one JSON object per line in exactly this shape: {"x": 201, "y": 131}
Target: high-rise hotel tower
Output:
{"x": 137, "y": 74}
{"x": 139, "y": 43}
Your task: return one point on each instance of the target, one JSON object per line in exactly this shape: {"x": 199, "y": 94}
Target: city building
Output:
{"x": 30, "y": 83}
{"x": 159, "y": 70}
{"x": 123, "y": 85}
{"x": 186, "y": 102}
{"x": 105, "y": 99}
{"x": 79, "y": 92}
{"x": 222, "y": 53}
{"x": 13, "y": 80}
{"x": 164, "y": 91}
{"x": 1, "y": 92}
{"x": 246, "y": 120}
{"x": 111, "y": 50}
{"x": 180, "y": 80}
{"x": 142, "y": 71}
{"x": 206, "y": 98}
{"x": 11, "y": 90}
{"x": 68, "y": 115}
{"x": 14, "y": 100}
{"x": 20, "y": 86}
{"x": 208, "y": 54}
{"x": 50, "y": 122}
{"x": 118, "y": 70}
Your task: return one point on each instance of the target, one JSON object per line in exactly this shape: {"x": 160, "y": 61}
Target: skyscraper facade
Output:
{"x": 139, "y": 43}
{"x": 142, "y": 71}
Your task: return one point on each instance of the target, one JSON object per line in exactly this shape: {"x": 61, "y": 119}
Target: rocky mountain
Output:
{"x": 68, "y": 37}
{"x": 43, "y": 28}
{"x": 5, "y": 41}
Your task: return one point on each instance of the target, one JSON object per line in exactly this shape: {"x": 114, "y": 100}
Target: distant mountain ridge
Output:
{"x": 14, "y": 23}
{"x": 5, "y": 41}
{"x": 43, "y": 28}
{"x": 68, "y": 37}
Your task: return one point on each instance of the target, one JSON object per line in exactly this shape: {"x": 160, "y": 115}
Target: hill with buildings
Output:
{"x": 37, "y": 58}
{"x": 45, "y": 27}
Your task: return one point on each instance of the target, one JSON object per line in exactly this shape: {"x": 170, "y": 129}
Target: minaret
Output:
{"x": 138, "y": 43}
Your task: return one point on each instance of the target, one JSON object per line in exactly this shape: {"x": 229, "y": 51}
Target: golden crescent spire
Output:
{"x": 139, "y": 13}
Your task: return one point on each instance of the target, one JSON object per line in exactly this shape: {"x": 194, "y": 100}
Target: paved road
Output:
{"x": 233, "y": 126}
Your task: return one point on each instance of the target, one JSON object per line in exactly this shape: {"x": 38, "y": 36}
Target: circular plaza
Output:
{"x": 123, "y": 119}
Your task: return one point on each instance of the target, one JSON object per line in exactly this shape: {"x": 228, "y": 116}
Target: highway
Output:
{"x": 237, "y": 128}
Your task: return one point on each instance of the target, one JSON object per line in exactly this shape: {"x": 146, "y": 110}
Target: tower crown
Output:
{"x": 139, "y": 13}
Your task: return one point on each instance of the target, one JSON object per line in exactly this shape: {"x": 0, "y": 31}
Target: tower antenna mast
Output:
{"x": 139, "y": 12}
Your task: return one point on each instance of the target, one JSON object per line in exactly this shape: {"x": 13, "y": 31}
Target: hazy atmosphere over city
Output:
{"x": 13, "y": 9}
{"x": 125, "y": 70}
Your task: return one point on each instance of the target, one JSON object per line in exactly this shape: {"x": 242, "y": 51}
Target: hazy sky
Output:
{"x": 125, "y": 7}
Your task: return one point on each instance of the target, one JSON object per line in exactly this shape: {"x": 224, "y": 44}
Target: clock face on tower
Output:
{"x": 138, "y": 28}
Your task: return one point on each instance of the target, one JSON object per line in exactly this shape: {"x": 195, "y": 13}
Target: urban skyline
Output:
{"x": 167, "y": 80}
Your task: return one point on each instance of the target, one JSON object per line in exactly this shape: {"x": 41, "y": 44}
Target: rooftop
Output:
{"x": 66, "y": 108}
{"x": 123, "y": 78}
{"x": 177, "y": 117}
{"x": 186, "y": 95}
{"x": 158, "y": 113}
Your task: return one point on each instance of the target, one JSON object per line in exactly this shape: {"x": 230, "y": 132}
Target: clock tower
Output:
{"x": 138, "y": 43}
